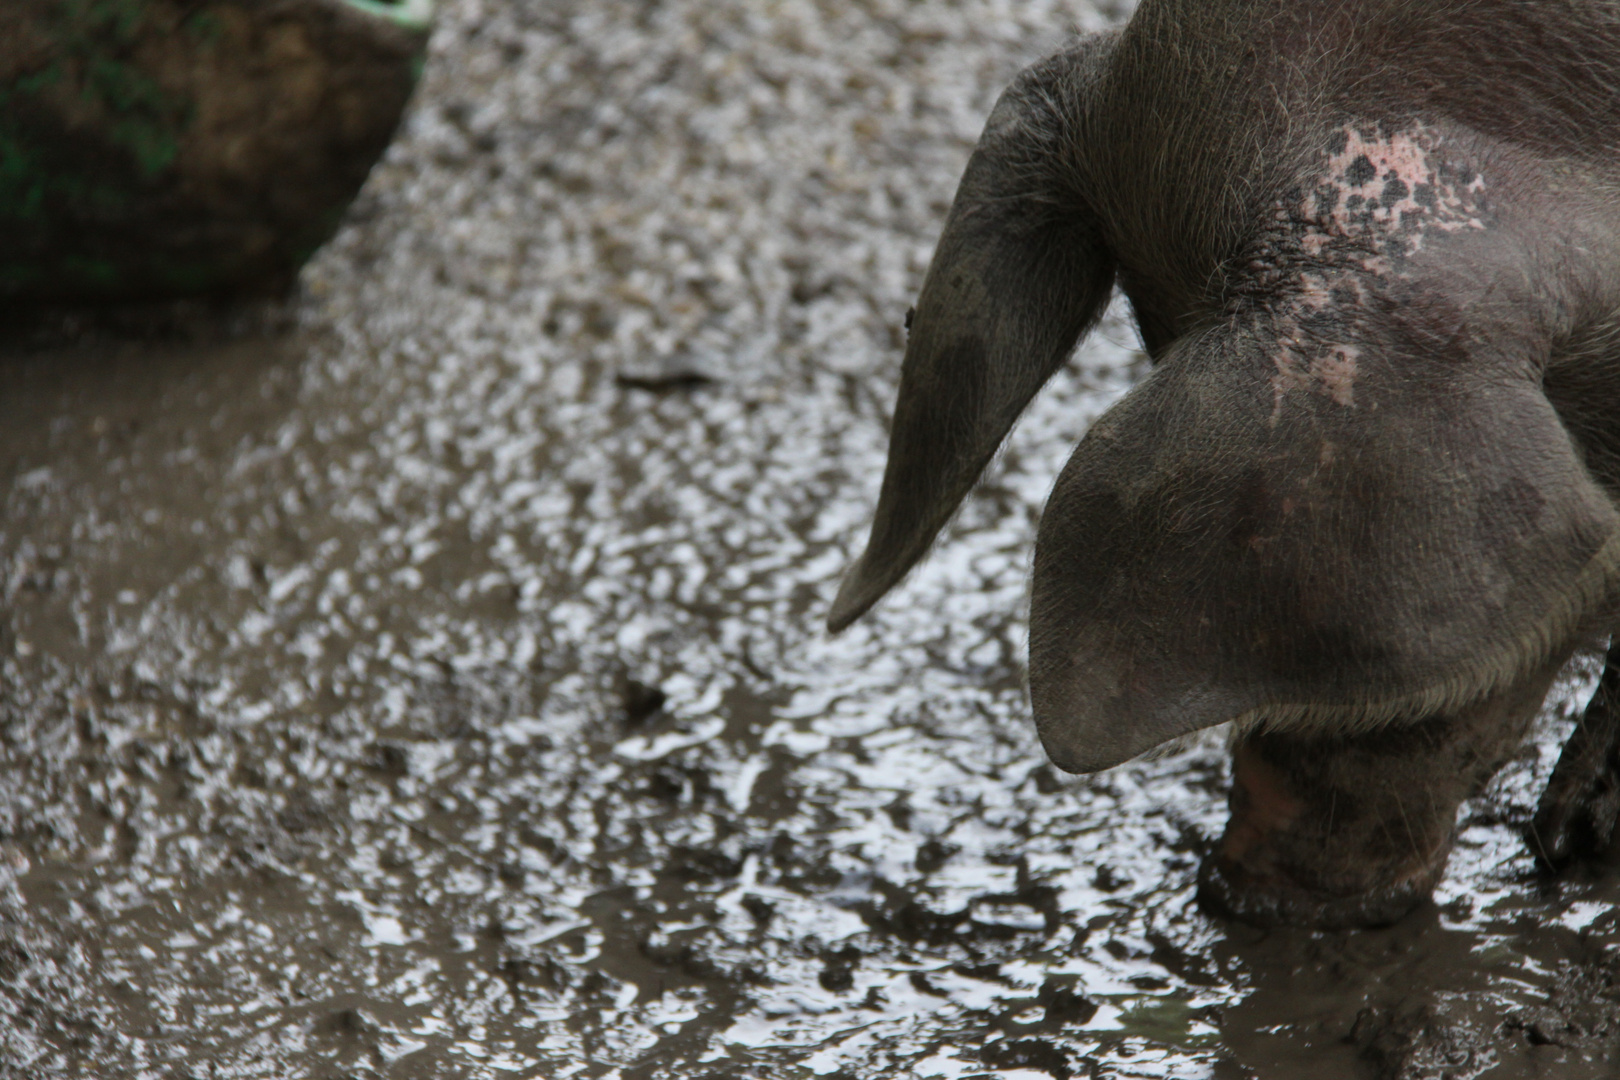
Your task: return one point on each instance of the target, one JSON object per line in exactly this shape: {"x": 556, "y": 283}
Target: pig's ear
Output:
{"x": 1020, "y": 272}
{"x": 1395, "y": 540}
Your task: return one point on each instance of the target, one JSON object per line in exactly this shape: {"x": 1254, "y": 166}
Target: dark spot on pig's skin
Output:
{"x": 1394, "y": 190}
{"x": 1361, "y": 171}
{"x": 1424, "y": 196}
{"x": 1345, "y": 295}
{"x": 1338, "y": 142}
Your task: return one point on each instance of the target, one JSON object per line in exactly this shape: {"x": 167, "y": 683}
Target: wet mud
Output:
{"x": 426, "y": 678}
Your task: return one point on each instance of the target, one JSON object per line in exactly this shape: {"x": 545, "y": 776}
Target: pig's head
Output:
{"x": 1224, "y": 544}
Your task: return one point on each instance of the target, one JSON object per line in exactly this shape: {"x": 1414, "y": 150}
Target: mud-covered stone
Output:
{"x": 641, "y": 701}
{"x": 160, "y": 148}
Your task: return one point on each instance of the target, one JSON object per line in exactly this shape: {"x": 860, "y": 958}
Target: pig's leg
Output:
{"x": 1354, "y": 830}
{"x": 1581, "y": 806}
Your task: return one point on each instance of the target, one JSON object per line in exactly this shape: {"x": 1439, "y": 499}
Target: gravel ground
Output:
{"x": 425, "y": 678}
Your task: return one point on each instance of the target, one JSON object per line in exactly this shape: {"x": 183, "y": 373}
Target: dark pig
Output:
{"x": 1365, "y": 503}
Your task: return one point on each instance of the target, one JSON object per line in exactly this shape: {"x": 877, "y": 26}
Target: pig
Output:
{"x": 1364, "y": 504}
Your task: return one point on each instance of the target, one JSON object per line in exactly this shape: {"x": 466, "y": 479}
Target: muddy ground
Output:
{"x": 424, "y": 677}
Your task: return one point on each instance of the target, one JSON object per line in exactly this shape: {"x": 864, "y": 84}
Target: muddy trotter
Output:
{"x": 1364, "y": 506}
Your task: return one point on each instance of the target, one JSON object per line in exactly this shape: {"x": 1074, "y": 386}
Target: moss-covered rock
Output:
{"x": 159, "y": 148}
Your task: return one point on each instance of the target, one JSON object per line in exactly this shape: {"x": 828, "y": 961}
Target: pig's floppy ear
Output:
{"x": 1223, "y": 546}
{"x": 1020, "y": 272}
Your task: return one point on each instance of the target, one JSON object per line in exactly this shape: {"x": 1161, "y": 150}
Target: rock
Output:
{"x": 165, "y": 148}
{"x": 390, "y": 758}
{"x": 641, "y": 701}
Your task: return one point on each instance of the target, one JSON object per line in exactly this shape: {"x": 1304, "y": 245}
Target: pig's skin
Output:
{"x": 1369, "y": 487}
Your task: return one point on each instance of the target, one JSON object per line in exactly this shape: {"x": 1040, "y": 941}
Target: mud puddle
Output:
{"x": 435, "y": 686}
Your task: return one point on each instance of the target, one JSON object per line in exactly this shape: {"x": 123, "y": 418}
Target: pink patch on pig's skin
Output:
{"x": 1383, "y": 187}
{"x": 1371, "y": 201}
{"x": 1335, "y": 372}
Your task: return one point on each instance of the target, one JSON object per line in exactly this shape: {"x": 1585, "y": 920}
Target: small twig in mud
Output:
{"x": 663, "y": 382}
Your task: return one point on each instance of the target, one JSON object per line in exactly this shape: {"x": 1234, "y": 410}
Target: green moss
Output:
{"x": 204, "y": 26}
{"x": 103, "y": 21}
{"x": 146, "y": 120}
{"x": 22, "y": 186}
{"x": 34, "y": 83}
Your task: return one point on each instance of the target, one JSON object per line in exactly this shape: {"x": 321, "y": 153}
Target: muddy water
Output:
{"x": 432, "y": 684}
